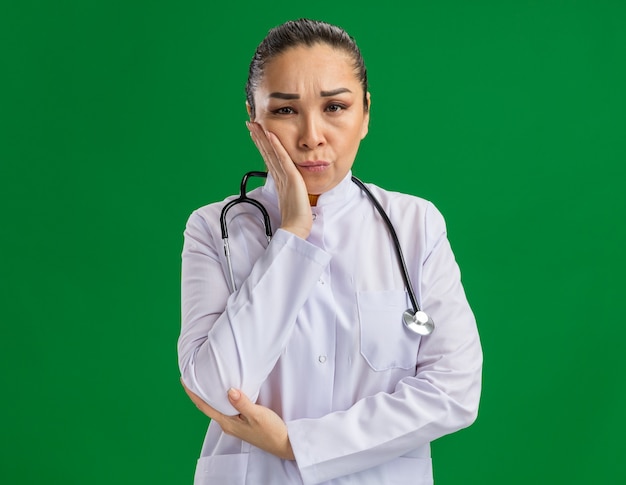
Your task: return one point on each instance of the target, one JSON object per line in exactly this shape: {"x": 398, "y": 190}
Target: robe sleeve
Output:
{"x": 235, "y": 340}
{"x": 442, "y": 396}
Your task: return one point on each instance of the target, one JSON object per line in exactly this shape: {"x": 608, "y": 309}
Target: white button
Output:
{"x": 322, "y": 359}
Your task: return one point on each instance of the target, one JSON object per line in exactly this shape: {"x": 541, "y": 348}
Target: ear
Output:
{"x": 366, "y": 117}
{"x": 249, "y": 110}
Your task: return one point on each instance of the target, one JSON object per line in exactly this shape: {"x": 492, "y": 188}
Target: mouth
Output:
{"x": 313, "y": 165}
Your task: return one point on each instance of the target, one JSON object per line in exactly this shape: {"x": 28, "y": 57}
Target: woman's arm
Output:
{"x": 258, "y": 425}
{"x": 441, "y": 398}
{"x": 235, "y": 340}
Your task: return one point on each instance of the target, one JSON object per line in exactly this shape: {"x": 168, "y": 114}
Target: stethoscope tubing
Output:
{"x": 396, "y": 243}
{"x": 243, "y": 198}
{"x": 416, "y": 320}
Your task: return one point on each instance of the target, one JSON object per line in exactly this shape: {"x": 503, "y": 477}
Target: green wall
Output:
{"x": 118, "y": 118}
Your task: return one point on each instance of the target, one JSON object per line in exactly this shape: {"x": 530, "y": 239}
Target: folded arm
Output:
{"x": 441, "y": 398}
{"x": 235, "y": 340}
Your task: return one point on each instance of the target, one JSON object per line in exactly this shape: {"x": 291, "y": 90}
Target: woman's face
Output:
{"x": 312, "y": 100}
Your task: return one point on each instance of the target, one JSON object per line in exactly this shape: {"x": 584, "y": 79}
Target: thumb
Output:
{"x": 239, "y": 400}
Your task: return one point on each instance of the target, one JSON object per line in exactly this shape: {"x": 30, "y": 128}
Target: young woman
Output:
{"x": 301, "y": 359}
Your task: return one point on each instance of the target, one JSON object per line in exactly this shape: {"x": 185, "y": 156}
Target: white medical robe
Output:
{"x": 315, "y": 333}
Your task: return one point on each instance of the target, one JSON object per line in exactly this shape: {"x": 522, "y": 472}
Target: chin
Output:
{"x": 315, "y": 185}
{"x": 317, "y": 188}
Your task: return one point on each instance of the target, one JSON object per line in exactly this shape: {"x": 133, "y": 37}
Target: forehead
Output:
{"x": 319, "y": 65}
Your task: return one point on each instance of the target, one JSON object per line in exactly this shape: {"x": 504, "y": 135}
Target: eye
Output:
{"x": 285, "y": 110}
{"x": 335, "y": 107}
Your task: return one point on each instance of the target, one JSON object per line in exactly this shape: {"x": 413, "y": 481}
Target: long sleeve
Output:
{"x": 441, "y": 397}
{"x": 235, "y": 341}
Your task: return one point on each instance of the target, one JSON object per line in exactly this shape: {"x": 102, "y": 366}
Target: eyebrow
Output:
{"x": 334, "y": 92}
{"x": 324, "y": 94}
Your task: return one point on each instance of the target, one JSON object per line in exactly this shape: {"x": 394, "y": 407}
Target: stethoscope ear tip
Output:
{"x": 418, "y": 322}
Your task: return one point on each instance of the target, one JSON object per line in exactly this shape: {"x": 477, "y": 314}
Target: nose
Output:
{"x": 311, "y": 133}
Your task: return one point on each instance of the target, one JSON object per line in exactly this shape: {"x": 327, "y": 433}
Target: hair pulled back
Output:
{"x": 299, "y": 32}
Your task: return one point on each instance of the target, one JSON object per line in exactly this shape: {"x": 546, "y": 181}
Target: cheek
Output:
{"x": 281, "y": 130}
{"x": 287, "y": 133}
{"x": 352, "y": 136}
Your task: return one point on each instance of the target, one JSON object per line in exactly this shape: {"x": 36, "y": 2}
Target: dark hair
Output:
{"x": 302, "y": 32}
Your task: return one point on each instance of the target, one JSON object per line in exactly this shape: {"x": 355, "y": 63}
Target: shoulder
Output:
{"x": 205, "y": 220}
{"x": 406, "y": 204}
{"x": 392, "y": 197}
{"x": 212, "y": 211}
{"x": 411, "y": 213}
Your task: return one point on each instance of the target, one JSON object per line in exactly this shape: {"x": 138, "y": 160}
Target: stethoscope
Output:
{"x": 414, "y": 318}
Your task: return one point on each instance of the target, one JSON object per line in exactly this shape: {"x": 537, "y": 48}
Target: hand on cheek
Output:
{"x": 293, "y": 200}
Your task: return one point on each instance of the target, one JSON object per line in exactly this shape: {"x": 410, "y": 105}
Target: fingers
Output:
{"x": 261, "y": 142}
{"x": 258, "y": 425}
{"x": 240, "y": 402}
{"x": 276, "y": 158}
{"x": 293, "y": 201}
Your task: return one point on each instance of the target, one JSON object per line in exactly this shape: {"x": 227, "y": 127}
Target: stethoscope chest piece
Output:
{"x": 418, "y": 322}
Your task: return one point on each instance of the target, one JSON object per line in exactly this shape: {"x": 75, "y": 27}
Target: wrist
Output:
{"x": 288, "y": 453}
{"x": 298, "y": 231}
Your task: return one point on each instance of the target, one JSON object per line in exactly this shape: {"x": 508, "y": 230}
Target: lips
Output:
{"x": 313, "y": 166}
{"x": 313, "y": 163}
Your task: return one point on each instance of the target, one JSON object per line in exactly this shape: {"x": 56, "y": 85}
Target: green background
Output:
{"x": 118, "y": 118}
